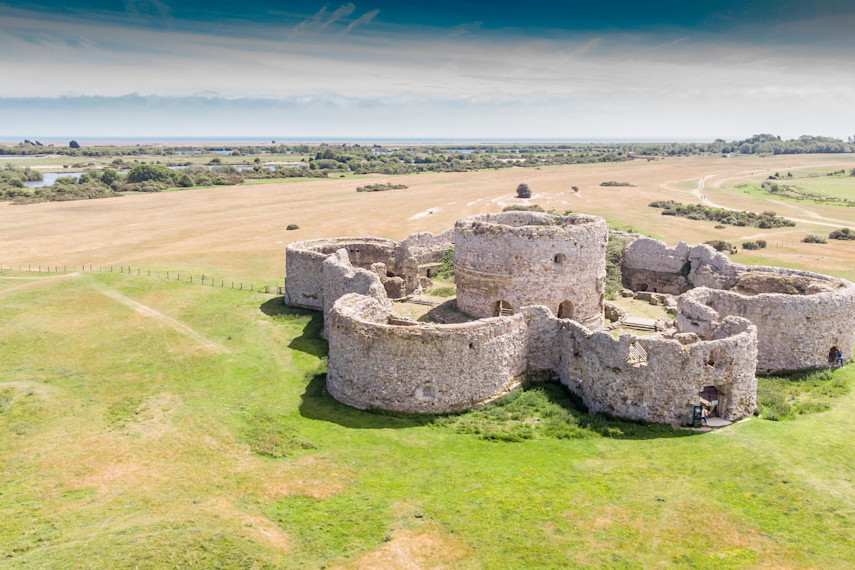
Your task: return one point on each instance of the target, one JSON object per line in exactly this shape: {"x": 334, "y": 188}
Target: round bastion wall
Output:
{"x": 377, "y": 360}
{"x": 506, "y": 261}
{"x": 795, "y": 331}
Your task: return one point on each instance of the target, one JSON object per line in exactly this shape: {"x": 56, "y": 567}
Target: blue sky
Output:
{"x": 500, "y": 69}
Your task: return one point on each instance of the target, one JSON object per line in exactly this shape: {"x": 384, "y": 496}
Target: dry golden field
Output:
{"x": 240, "y": 231}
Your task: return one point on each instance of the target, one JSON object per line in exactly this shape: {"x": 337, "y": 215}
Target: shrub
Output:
{"x": 719, "y": 227}
{"x": 614, "y": 183}
{"x": 292, "y": 227}
{"x": 720, "y": 245}
{"x": 446, "y": 269}
{"x": 150, "y": 172}
{"x": 752, "y": 245}
{"x": 381, "y": 187}
{"x": 522, "y": 208}
{"x": 844, "y": 233}
{"x": 575, "y": 188}
{"x": 811, "y": 238}
{"x": 614, "y": 260}
{"x": 761, "y": 243}
{"x": 523, "y": 191}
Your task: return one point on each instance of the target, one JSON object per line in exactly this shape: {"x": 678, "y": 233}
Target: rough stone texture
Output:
{"x": 800, "y": 316}
{"x": 397, "y": 264}
{"x": 528, "y": 258}
{"x": 420, "y": 368}
{"x": 341, "y": 278}
{"x": 650, "y": 265}
{"x": 378, "y": 360}
{"x": 794, "y": 331}
{"x": 596, "y": 366}
{"x": 304, "y": 262}
{"x": 614, "y": 313}
{"x": 426, "y": 247}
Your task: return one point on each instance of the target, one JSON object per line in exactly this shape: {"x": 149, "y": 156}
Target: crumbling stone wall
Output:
{"x": 341, "y": 278}
{"x": 378, "y": 360}
{"x": 396, "y": 264}
{"x": 650, "y": 265}
{"x": 794, "y": 331}
{"x": 529, "y": 258}
{"x": 420, "y": 367}
{"x": 800, "y": 316}
{"x": 664, "y": 389}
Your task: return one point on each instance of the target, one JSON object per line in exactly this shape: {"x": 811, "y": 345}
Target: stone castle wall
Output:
{"x": 528, "y": 258}
{"x": 800, "y": 316}
{"x": 794, "y": 331}
{"x": 420, "y": 367}
{"x": 396, "y": 264}
{"x": 378, "y": 360}
{"x": 597, "y": 366}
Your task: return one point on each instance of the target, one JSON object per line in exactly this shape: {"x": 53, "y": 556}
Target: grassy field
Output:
{"x": 131, "y": 441}
{"x": 150, "y": 423}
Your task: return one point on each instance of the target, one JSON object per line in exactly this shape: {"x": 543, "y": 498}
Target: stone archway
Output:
{"x": 565, "y": 310}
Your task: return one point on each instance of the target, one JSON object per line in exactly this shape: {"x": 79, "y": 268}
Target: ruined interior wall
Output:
{"x": 420, "y": 368}
{"x": 341, "y": 278}
{"x": 527, "y": 258}
{"x": 795, "y": 332}
{"x": 304, "y": 277}
{"x": 595, "y": 365}
{"x": 425, "y": 247}
{"x": 650, "y": 265}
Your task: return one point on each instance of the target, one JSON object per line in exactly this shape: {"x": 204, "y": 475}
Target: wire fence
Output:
{"x": 200, "y": 279}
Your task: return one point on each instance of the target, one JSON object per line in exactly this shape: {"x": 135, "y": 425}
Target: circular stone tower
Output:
{"x": 506, "y": 261}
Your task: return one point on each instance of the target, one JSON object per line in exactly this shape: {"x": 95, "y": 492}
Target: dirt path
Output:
{"x": 168, "y": 321}
{"x": 706, "y": 201}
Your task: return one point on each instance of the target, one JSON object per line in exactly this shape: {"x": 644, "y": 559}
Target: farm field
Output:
{"x": 152, "y": 423}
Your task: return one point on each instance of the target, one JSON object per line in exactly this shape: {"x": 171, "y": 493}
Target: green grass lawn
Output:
{"x": 129, "y": 441}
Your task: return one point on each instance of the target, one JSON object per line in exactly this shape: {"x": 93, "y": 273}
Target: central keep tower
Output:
{"x": 506, "y": 261}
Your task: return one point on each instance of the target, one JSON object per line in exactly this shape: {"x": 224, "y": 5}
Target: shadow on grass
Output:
{"x": 537, "y": 411}
{"x": 317, "y": 404}
{"x": 310, "y": 341}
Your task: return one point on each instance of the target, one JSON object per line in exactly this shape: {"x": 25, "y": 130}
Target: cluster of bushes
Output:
{"x": 764, "y": 220}
{"x": 614, "y": 183}
{"x": 12, "y": 180}
{"x": 844, "y": 233}
{"x": 812, "y": 238}
{"x": 381, "y": 187}
{"x": 523, "y": 191}
{"x": 523, "y": 208}
{"x": 754, "y": 245}
{"x": 721, "y": 245}
{"x": 796, "y": 193}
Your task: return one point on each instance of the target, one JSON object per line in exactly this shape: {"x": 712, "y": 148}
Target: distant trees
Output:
{"x": 73, "y": 144}
{"x": 523, "y": 191}
{"x": 146, "y": 172}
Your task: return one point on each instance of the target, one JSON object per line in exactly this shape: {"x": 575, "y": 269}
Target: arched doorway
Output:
{"x": 565, "y": 310}
{"x": 503, "y": 309}
{"x": 833, "y": 358}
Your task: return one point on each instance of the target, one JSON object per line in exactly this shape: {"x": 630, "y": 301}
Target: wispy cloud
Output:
{"x": 336, "y": 60}
{"x": 363, "y": 20}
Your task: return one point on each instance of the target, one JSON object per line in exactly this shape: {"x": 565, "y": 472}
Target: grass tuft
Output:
{"x": 786, "y": 397}
{"x": 270, "y": 436}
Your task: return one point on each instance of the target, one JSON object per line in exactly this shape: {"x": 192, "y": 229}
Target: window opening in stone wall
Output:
{"x": 426, "y": 393}
{"x": 559, "y": 258}
{"x": 503, "y": 309}
{"x": 637, "y": 355}
{"x": 565, "y": 310}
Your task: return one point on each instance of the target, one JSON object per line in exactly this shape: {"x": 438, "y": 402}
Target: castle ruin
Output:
{"x": 537, "y": 283}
